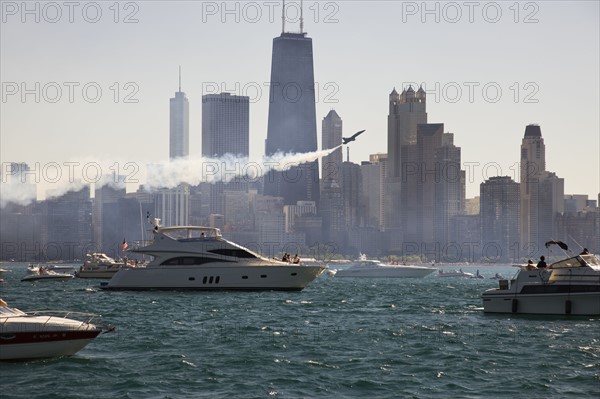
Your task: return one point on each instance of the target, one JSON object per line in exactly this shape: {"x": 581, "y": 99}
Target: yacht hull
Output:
{"x": 96, "y": 274}
{"x": 577, "y": 304}
{"x": 276, "y": 277}
{"x": 38, "y": 345}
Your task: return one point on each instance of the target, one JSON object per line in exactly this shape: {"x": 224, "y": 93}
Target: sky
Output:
{"x": 87, "y": 81}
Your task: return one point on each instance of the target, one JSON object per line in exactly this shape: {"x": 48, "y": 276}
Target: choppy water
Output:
{"x": 342, "y": 338}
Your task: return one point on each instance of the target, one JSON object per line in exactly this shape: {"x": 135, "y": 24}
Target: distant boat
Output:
{"x": 99, "y": 265}
{"x": 47, "y": 275}
{"x": 370, "y": 268}
{"x": 455, "y": 273}
{"x": 477, "y": 275}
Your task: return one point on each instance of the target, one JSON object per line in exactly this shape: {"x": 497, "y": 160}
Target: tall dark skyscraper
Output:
{"x": 292, "y": 125}
{"x": 179, "y": 125}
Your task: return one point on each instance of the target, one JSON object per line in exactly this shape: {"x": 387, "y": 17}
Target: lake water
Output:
{"x": 339, "y": 338}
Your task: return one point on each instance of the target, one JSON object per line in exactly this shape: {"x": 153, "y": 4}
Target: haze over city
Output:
{"x": 489, "y": 69}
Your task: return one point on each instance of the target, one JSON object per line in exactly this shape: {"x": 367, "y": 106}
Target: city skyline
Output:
{"x": 361, "y": 71}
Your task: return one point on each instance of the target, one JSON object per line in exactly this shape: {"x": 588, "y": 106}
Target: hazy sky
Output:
{"x": 490, "y": 68}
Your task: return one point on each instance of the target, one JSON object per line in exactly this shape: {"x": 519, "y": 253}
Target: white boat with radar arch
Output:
{"x": 567, "y": 287}
{"x": 199, "y": 258}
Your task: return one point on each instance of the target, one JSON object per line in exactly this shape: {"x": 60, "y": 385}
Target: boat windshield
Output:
{"x": 591, "y": 260}
{"x": 184, "y": 234}
{"x": 567, "y": 263}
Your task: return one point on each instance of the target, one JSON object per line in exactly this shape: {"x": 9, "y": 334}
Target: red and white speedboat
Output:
{"x": 44, "y": 334}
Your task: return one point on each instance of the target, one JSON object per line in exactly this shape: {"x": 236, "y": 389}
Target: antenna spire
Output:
{"x": 283, "y": 18}
{"x": 301, "y": 17}
{"x": 348, "y": 154}
{"x": 180, "y": 78}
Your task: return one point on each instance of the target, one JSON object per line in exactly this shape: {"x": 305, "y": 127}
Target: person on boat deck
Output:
{"x": 585, "y": 252}
{"x": 202, "y": 235}
{"x": 542, "y": 263}
{"x": 530, "y": 265}
{"x": 296, "y": 259}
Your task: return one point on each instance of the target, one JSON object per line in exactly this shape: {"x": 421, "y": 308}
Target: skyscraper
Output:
{"x": 179, "y": 126}
{"x": 533, "y": 165}
{"x": 225, "y": 125}
{"x": 331, "y": 138}
{"x": 292, "y": 125}
{"x": 542, "y": 194}
{"x": 172, "y": 205}
{"x": 225, "y": 130}
{"x": 406, "y": 112}
{"x": 500, "y": 219}
{"x": 450, "y": 189}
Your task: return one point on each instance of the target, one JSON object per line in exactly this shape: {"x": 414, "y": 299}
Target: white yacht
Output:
{"x": 570, "y": 286}
{"x": 44, "y": 334}
{"x": 364, "y": 267}
{"x": 99, "y": 265}
{"x": 199, "y": 258}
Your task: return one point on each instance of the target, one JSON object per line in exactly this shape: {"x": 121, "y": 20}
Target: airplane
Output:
{"x": 351, "y": 138}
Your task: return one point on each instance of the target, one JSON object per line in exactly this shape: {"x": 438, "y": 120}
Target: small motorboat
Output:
{"x": 44, "y": 334}
{"x": 45, "y": 274}
{"x": 568, "y": 287}
{"x": 497, "y": 276}
{"x": 372, "y": 268}
{"x": 477, "y": 275}
{"x": 3, "y": 270}
{"x": 34, "y": 269}
{"x": 455, "y": 273}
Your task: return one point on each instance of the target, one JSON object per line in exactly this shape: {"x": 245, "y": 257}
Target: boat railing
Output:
{"x": 133, "y": 245}
{"x": 87, "y": 318}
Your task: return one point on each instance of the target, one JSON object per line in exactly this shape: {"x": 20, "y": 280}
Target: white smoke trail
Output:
{"x": 61, "y": 178}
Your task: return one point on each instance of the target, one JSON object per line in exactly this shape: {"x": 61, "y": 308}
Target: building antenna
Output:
{"x": 301, "y": 17}
{"x": 283, "y": 18}
{"x": 180, "y": 78}
{"x": 348, "y": 153}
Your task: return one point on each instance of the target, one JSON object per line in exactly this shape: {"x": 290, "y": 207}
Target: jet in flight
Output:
{"x": 346, "y": 140}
